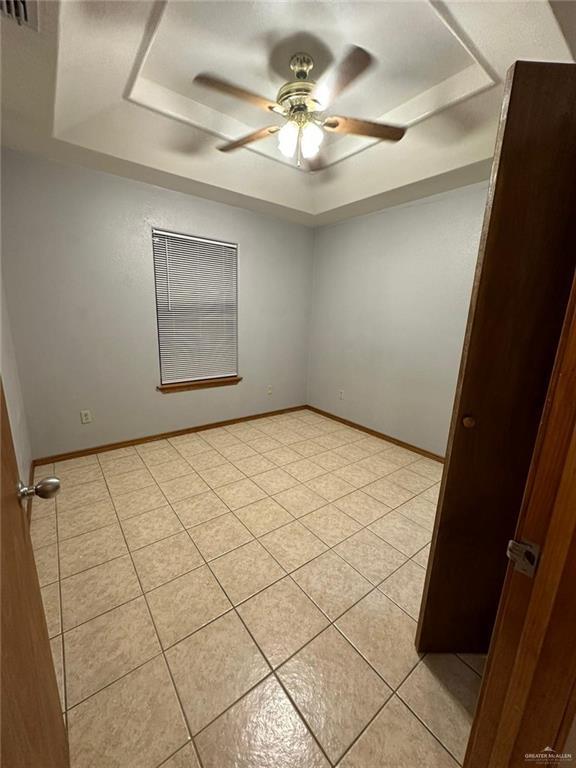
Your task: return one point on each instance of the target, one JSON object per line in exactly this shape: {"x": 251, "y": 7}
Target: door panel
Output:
{"x": 525, "y": 268}
{"x": 33, "y": 733}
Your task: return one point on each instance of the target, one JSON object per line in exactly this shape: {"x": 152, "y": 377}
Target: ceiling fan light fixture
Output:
{"x": 311, "y": 138}
{"x": 288, "y": 138}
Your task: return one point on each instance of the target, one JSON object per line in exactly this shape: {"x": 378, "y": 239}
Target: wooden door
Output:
{"x": 33, "y": 733}
{"x": 525, "y": 268}
{"x": 528, "y": 696}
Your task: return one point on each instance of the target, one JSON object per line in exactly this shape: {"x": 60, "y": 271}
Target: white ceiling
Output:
{"x": 110, "y": 85}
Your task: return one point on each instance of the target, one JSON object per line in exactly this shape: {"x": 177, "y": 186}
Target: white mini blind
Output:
{"x": 196, "y": 306}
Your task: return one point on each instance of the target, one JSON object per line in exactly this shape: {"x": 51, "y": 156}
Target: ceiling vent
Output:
{"x": 23, "y": 12}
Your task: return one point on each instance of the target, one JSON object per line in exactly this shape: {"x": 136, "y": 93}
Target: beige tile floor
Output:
{"x": 247, "y": 596}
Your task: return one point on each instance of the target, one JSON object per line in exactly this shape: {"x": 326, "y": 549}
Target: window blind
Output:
{"x": 196, "y": 306}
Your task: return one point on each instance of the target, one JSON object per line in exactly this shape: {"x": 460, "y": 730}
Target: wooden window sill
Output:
{"x": 204, "y": 383}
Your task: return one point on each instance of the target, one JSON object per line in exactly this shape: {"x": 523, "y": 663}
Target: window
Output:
{"x": 197, "y": 310}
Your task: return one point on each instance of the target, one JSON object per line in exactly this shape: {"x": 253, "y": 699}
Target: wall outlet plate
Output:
{"x": 269, "y": 389}
{"x": 340, "y": 394}
{"x": 86, "y": 417}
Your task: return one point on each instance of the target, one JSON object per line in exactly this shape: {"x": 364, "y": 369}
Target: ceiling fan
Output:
{"x": 302, "y": 103}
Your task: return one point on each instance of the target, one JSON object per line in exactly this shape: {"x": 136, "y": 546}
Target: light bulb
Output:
{"x": 288, "y": 138}
{"x": 312, "y": 137}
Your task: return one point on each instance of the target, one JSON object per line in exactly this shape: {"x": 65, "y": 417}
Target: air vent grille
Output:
{"x": 23, "y": 12}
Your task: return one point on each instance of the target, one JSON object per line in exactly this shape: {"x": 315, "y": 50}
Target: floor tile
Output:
{"x": 335, "y": 690}
{"x": 113, "y": 466}
{"x": 330, "y": 461}
{"x": 369, "y": 554}
{"x": 475, "y": 660}
{"x": 107, "y": 647}
{"x": 353, "y": 452}
{"x": 135, "y": 723}
{"x": 206, "y": 460}
{"x": 293, "y": 545}
{"x": 240, "y": 494}
{"x": 98, "y": 589}
{"x": 91, "y": 549}
{"x": 356, "y": 475}
{"x": 401, "y": 533}
{"x": 330, "y": 486}
{"x": 362, "y": 507}
{"x": 429, "y": 468}
{"x": 79, "y": 461}
{"x": 254, "y": 465}
{"x": 265, "y": 444}
{"x": 383, "y": 634}
{"x": 184, "y": 758}
{"x": 129, "y": 481}
{"x": 412, "y": 481}
{"x": 151, "y": 526}
{"x": 81, "y": 519}
{"x": 404, "y": 587}
{"x": 199, "y": 509}
{"x": 378, "y": 465}
{"x": 397, "y": 739}
{"x": 331, "y": 583}
{"x": 165, "y": 560}
{"x": 42, "y": 470}
{"x": 58, "y": 661}
{"x": 420, "y": 511}
{"x": 46, "y": 559}
{"x": 236, "y": 452}
{"x": 136, "y": 502}
{"x": 151, "y": 446}
{"x": 388, "y": 492}
{"x": 304, "y": 469}
{"x": 281, "y": 619}
{"x": 432, "y": 494}
{"x": 170, "y": 470}
{"x": 185, "y": 604}
{"x": 281, "y": 456}
{"x": 300, "y": 500}
{"x": 263, "y": 729}
{"x": 220, "y": 535}
{"x": 308, "y": 448}
{"x": 442, "y": 691}
{"x": 263, "y": 516}
{"x": 245, "y": 571}
{"x": 214, "y": 667}
{"x": 80, "y": 475}
{"x": 330, "y": 524}
{"x": 221, "y": 475}
{"x": 275, "y": 481}
{"x": 117, "y": 453}
{"x": 43, "y": 530}
{"x": 183, "y": 487}
{"x": 422, "y": 556}
{"x": 160, "y": 456}
{"x": 51, "y": 603}
{"x": 42, "y": 507}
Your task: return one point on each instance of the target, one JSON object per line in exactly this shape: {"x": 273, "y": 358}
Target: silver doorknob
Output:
{"x": 46, "y": 488}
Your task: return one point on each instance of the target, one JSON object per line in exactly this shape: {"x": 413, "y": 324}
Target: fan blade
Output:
{"x": 239, "y": 93}
{"x": 261, "y": 133}
{"x": 353, "y": 125}
{"x": 339, "y": 77}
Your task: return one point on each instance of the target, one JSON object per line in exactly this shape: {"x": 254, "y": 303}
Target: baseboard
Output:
{"x": 160, "y": 436}
{"x": 375, "y": 433}
{"x": 214, "y": 424}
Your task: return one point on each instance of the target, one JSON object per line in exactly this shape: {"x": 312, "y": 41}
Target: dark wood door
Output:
{"x": 33, "y": 733}
{"x": 525, "y": 269}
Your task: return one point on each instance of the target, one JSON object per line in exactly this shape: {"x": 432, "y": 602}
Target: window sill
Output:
{"x": 185, "y": 385}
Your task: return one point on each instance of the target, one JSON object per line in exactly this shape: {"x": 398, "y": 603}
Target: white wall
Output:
{"x": 389, "y": 309}
{"x": 13, "y": 395}
{"x": 80, "y": 289}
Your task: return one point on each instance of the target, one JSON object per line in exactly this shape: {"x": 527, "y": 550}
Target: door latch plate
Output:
{"x": 524, "y": 556}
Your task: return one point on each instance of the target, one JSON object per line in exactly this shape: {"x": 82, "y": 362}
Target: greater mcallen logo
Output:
{"x": 548, "y": 756}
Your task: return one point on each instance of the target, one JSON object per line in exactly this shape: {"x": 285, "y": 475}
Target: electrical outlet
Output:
{"x": 86, "y": 417}
{"x": 340, "y": 394}
{"x": 269, "y": 389}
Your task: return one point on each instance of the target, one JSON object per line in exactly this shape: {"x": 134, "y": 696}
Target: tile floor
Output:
{"x": 246, "y": 597}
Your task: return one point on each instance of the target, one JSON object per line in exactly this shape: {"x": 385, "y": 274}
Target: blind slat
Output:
{"x": 196, "y": 307}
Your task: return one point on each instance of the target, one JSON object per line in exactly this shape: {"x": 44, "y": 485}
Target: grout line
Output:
{"x": 300, "y": 483}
